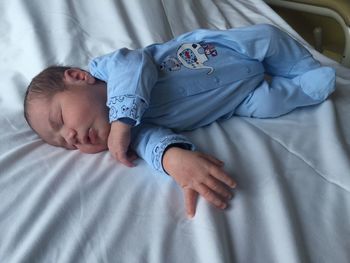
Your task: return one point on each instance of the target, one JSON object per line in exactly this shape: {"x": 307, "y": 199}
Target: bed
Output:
{"x": 292, "y": 203}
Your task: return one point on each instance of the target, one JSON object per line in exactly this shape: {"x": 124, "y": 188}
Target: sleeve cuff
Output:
{"x": 127, "y": 121}
{"x": 126, "y": 106}
{"x": 158, "y": 151}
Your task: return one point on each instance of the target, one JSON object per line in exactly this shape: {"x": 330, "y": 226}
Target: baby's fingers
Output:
{"x": 123, "y": 158}
{"x": 213, "y": 160}
{"x": 127, "y": 162}
{"x": 210, "y": 196}
{"x": 190, "y": 201}
{"x": 132, "y": 156}
{"x": 218, "y": 187}
{"x": 222, "y": 176}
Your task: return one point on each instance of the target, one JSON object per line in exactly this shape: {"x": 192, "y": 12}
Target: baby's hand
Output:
{"x": 118, "y": 143}
{"x": 198, "y": 173}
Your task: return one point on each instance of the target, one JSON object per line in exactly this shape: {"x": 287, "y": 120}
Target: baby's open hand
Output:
{"x": 118, "y": 143}
{"x": 199, "y": 173}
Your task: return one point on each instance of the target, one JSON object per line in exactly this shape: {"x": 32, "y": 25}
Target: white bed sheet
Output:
{"x": 293, "y": 199}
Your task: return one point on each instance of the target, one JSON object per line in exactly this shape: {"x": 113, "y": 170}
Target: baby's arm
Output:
{"x": 198, "y": 173}
{"x": 168, "y": 152}
{"x": 119, "y": 141}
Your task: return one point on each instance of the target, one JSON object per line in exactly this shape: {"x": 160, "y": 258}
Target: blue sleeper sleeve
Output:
{"x": 150, "y": 141}
{"x": 130, "y": 76}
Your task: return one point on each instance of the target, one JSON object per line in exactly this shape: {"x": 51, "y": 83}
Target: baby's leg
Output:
{"x": 297, "y": 79}
{"x": 283, "y": 95}
{"x": 280, "y": 54}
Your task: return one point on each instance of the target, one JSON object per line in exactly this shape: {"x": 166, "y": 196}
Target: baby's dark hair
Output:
{"x": 46, "y": 84}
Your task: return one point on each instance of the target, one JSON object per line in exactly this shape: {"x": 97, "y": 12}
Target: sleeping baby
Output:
{"x": 134, "y": 103}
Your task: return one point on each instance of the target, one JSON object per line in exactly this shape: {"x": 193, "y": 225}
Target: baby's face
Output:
{"x": 76, "y": 118}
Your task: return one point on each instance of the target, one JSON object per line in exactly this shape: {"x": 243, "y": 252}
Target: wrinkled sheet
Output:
{"x": 292, "y": 203}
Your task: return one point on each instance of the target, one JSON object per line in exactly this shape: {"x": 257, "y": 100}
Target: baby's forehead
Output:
{"x": 37, "y": 110}
{"x": 42, "y": 101}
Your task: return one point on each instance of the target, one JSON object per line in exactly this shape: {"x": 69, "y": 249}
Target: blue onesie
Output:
{"x": 204, "y": 76}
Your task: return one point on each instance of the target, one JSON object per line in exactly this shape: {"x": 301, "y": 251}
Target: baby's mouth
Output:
{"x": 92, "y": 136}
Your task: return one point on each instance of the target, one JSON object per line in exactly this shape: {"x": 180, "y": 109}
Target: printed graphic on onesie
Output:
{"x": 191, "y": 56}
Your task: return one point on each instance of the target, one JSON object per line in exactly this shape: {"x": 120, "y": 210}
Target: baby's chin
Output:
{"x": 92, "y": 148}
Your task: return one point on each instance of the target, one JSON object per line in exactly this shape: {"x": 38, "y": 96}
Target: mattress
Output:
{"x": 292, "y": 203}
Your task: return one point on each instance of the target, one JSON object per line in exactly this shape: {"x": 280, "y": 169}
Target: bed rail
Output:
{"x": 339, "y": 10}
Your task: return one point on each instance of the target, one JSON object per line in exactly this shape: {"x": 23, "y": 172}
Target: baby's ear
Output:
{"x": 76, "y": 75}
